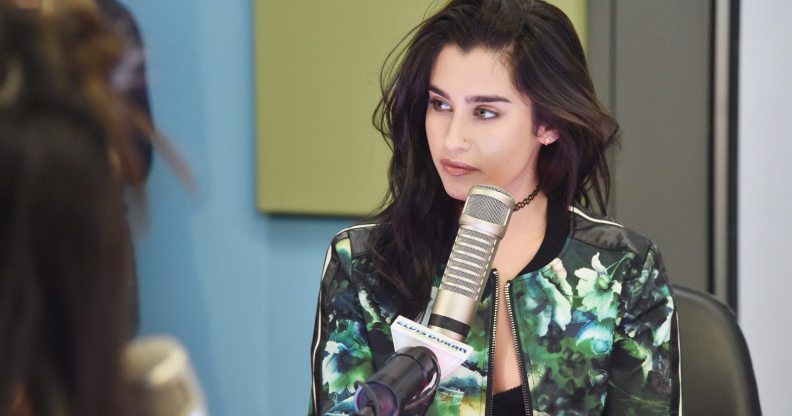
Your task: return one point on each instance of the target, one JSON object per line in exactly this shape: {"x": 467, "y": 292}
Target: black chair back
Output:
{"x": 717, "y": 375}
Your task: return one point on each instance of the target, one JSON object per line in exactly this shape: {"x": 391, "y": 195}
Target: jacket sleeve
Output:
{"x": 340, "y": 351}
{"x": 645, "y": 376}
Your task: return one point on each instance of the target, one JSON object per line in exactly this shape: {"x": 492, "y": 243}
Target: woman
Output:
{"x": 578, "y": 319}
{"x": 65, "y": 256}
{"x": 129, "y": 79}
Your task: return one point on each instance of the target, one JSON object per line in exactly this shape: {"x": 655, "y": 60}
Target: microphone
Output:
{"x": 483, "y": 223}
{"x": 408, "y": 371}
{"x": 162, "y": 379}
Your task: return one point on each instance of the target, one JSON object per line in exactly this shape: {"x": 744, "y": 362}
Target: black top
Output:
{"x": 510, "y": 402}
{"x": 555, "y": 235}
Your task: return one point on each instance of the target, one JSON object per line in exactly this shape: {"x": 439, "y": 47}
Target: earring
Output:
{"x": 547, "y": 140}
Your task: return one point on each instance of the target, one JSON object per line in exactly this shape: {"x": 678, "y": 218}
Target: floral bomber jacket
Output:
{"x": 595, "y": 329}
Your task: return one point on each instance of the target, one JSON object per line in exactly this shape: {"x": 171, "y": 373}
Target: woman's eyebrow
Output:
{"x": 439, "y": 92}
{"x": 486, "y": 99}
{"x": 473, "y": 98}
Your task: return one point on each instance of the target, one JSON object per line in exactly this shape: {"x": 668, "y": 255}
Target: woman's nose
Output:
{"x": 456, "y": 139}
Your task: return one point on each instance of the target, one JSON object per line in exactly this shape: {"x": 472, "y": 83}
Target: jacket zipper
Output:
{"x": 492, "y": 345}
{"x": 518, "y": 352}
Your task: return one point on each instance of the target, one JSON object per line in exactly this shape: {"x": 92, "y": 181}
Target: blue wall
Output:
{"x": 236, "y": 286}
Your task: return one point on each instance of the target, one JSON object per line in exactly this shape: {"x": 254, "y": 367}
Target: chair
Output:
{"x": 717, "y": 375}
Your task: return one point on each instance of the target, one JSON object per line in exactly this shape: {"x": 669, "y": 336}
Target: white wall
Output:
{"x": 765, "y": 196}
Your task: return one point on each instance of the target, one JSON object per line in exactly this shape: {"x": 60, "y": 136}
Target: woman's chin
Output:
{"x": 457, "y": 191}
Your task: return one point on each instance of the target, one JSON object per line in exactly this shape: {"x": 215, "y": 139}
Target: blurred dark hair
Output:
{"x": 416, "y": 227}
{"x": 65, "y": 253}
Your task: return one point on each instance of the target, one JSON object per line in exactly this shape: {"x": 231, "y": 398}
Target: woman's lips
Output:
{"x": 454, "y": 168}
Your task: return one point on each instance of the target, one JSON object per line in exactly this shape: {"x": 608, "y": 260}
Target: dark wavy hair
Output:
{"x": 65, "y": 253}
{"x": 416, "y": 226}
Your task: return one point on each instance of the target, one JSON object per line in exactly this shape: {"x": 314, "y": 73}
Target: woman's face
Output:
{"x": 480, "y": 128}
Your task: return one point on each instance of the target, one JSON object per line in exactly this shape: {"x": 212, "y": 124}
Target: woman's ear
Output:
{"x": 546, "y": 135}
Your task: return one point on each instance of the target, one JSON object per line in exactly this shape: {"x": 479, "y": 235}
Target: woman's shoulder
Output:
{"x": 356, "y": 237}
{"x": 605, "y": 232}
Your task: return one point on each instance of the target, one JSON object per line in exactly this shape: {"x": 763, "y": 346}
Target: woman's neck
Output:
{"x": 523, "y": 237}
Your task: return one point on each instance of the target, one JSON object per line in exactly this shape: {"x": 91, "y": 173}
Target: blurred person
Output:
{"x": 129, "y": 79}
{"x": 65, "y": 253}
{"x": 577, "y": 316}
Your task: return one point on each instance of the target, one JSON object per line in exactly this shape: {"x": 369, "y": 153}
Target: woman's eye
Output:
{"x": 439, "y": 105}
{"x": 485, "y": 114}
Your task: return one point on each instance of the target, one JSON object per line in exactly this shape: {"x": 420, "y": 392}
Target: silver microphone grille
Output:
{"x": 483, "y": 223}
{"x": 487, "y": 209}
{"x": 469, "y": 262}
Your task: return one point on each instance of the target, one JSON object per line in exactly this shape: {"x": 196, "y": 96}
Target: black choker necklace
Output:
{"x": 524, "y": 203}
